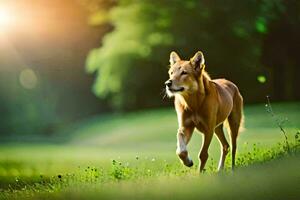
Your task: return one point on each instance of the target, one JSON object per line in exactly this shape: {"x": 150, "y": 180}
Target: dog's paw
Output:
{"x": 190, "y": 163}
{"x": 185, "y": 159}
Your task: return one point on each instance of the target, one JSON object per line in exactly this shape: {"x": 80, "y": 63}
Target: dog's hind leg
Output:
{"x": 224, "y": 145}
{"x": 235, "y": 121}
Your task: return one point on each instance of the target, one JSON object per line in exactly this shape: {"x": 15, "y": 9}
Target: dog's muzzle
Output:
{"x": 169, "y": 87}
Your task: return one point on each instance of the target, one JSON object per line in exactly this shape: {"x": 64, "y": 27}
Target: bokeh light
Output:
{"x": 261, "y": 79}
{"x": 28, "y": 79}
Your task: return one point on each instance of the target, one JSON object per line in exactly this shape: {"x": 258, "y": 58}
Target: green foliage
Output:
{"x": 123, "y": 62}
{"x": 261, "y": 25}
{"x": 28, "y": 112}
{"x": 119, "y": 171}
{"x": 131, "y": 63}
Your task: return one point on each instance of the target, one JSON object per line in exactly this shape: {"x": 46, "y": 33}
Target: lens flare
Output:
{"x": 5, "y": 18}
{"x": 28, "y": 79}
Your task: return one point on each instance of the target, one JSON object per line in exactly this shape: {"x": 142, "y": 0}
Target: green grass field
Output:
{"x": 133, "y": 156}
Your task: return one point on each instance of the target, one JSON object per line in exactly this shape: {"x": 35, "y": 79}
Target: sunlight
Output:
{"x": 5, "y": 18}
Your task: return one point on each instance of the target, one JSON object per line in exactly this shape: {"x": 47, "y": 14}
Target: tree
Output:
{"x": 131, "y": 63}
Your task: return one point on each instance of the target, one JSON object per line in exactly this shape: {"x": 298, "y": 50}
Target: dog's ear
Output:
{"x": 198, "y": 61}
{"x": 174, "y": 57}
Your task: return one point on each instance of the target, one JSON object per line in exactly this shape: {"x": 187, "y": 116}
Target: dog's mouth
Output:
{"x": 176, "y": 90}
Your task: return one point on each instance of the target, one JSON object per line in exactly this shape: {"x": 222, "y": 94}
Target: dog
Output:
{"x": 205, "y": 104}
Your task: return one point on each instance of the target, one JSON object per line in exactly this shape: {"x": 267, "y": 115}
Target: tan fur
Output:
{"x": 204, "y": 104}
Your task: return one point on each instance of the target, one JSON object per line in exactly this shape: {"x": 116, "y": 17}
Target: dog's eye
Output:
{"x": 183, "y": 73}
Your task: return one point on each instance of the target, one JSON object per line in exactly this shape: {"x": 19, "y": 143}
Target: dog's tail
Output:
{"x": 241, "y": 125}
{"x": 237, "y": 120}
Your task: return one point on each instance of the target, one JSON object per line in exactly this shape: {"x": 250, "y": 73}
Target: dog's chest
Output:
{"x": 195, "y": 119}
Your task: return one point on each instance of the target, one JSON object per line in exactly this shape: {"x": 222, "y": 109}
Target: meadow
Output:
{"x": 133, "y": 156}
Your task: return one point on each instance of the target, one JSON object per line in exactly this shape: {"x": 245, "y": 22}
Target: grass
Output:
{"x": 133, "y": 155}
{"x": 256, "y": 182}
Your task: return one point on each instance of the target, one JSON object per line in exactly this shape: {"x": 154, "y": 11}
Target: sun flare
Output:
{"x": 5, "y": 18}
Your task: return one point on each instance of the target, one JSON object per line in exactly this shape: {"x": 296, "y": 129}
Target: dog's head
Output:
{"x": 183, "y": 74}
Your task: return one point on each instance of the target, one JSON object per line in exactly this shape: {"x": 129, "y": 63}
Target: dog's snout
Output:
{"x": 168, "y": 83}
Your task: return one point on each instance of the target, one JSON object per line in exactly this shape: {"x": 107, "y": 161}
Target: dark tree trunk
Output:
{"x": 280, "y": 52}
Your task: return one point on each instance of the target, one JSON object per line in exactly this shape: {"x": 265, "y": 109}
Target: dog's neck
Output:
{"x": 203, "y": 82}
{"x": 193, "y": 101}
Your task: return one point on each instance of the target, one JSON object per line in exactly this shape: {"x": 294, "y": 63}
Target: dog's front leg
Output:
{"x": 184, "y": 135}
{"x": 203, "y": 155}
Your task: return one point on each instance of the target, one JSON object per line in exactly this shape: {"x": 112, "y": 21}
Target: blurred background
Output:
{"x": 65, "y": 62}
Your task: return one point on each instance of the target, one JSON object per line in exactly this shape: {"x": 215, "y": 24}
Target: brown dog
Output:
{"x": 204, "y": 104}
